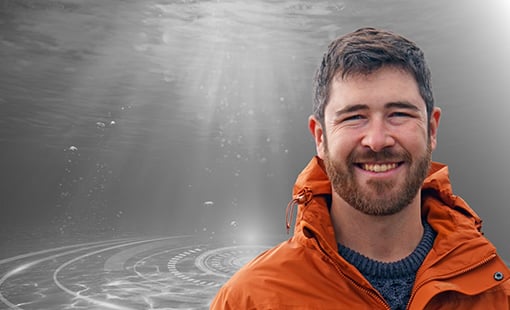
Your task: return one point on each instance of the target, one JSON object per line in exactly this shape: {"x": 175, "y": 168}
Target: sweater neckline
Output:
{"x": 404, "y": 267}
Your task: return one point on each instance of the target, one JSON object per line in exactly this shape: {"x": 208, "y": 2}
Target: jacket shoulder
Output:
{"x": 246, "y": 287}
{"x": 280, "y": 278}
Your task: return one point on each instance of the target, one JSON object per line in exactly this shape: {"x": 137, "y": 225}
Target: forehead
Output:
{"x": 375, "y": 90}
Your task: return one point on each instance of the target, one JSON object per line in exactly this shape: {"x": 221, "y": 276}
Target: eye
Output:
{"x": 400, "y": 114}
{"x": 353, "y": 117}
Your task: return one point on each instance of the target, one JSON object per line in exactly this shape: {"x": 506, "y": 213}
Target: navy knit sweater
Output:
{"x": 393, "y": 280}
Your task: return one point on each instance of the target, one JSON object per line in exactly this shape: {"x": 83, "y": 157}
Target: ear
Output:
{"x": 434, "y": 125}
{"x": 317, "y": 132}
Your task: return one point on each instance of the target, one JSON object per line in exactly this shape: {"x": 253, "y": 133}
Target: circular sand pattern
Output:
{"x": 177, "y": 272}
{"x": 223, "y": 262}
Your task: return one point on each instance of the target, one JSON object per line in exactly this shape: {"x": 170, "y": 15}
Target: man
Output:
{"x": 378, "y": 226}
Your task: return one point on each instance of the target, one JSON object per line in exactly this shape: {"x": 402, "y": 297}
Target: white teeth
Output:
{"x": 378, "y": 167}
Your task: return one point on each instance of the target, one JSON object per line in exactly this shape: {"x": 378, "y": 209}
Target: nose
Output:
{"x": 377, "y": 136}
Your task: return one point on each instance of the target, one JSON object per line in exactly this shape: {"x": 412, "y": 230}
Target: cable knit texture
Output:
{"x": 393, "y": 280}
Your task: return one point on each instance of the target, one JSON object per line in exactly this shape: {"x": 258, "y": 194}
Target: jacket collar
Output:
{"x": 447, "y": 213}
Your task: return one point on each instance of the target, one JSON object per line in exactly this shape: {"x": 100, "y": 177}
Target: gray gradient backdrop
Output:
{"x": 173, "y": 117}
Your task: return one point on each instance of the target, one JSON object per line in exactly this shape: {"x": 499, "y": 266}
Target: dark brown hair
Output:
{"x": 363, "y": 52}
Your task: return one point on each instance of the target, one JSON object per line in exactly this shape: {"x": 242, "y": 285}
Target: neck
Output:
{"x": 382, "y": 238}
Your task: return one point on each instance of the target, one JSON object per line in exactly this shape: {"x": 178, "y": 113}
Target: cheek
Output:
{"x": 415, "y": 144}
{"x": 416, "y": 136}
{"x": 338, "y": 146}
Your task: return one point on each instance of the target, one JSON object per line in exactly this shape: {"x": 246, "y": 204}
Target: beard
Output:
{"x": 378, "y": 197}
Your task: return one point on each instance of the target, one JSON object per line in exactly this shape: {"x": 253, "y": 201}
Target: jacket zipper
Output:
{"x": 303, "y": 197}
{"x": 451, "y": 275}
{"x": 356, "y": 284}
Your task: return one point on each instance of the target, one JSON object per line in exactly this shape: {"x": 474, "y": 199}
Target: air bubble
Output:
{"x": 234, "y": 224}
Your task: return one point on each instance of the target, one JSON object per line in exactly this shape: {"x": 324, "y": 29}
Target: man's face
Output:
{"x": 375, "y": 143}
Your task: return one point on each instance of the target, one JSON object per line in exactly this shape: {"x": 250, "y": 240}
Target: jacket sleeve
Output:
{"x": 224, "y": 300}
{"x": 219, "y": 302}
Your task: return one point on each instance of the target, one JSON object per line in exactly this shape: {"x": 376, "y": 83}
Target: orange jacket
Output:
{"x": 462, "y": 271}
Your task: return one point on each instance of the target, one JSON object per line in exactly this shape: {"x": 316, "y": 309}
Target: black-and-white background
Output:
{"x": 148, "y": 148}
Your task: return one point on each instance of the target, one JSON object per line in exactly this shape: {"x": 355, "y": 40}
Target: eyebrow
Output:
{"x": 350, "y": 109}
{"x": 401, "y": 105}
{"x": 389, "y": 105}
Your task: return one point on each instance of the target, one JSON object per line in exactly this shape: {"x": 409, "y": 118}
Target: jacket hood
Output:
{"x": 447, "y": 213}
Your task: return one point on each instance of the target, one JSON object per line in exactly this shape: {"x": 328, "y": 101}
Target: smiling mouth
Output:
{"x": 378, "y": 167}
